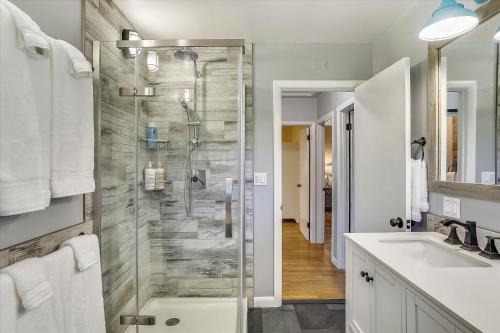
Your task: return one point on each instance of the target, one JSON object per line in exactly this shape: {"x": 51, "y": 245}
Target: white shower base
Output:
{"x": 197, "y": 315}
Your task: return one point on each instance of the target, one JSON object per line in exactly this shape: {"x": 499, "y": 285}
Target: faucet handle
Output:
{"x": 453, "y": 236}
{"x": 490, "y": 251}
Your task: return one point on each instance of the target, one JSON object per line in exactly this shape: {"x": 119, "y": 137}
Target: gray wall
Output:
{"x": 299, "y": 109}
{"x": 402, "y": 41}
{"x": 65, "y": 212}
{"x": 329, "y": 101}
{"x": 289, "y": 62}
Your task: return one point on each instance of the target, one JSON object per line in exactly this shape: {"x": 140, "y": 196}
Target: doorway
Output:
{"x": 308, "y": 271}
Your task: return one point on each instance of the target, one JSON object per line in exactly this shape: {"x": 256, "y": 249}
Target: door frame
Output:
{"x": 312, "y": 168}
{"x": 278, "y": 87}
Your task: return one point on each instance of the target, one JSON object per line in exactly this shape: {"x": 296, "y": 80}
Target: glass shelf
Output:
{"x": 153, "y": 144}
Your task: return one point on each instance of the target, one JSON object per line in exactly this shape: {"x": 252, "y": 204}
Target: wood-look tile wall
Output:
{"x": 104, "y": 22}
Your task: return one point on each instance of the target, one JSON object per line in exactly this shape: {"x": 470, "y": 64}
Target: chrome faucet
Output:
{"x": 470, "y": 240}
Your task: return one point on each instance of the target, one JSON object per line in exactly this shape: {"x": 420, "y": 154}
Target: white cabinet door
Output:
{"x": 358, "y": 292}
{"x": 423, "y": 318}
{"x": 388, "y": 311}
{"x": 382, "y": 150}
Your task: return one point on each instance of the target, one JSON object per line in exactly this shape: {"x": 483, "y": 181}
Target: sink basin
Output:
{"x": 432, "y": 254}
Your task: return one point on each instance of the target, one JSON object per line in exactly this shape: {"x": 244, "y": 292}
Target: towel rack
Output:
{"x": 421, "y": 143}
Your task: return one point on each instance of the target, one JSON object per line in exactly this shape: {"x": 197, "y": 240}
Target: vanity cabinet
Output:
{"x": 379, "y": 302}
{"x": 375, "y": 302}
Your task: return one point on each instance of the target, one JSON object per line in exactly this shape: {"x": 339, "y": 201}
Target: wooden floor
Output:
{"x": 308, "y": 273}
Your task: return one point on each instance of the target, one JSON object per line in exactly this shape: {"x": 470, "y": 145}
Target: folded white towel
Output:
{"x": 415, "y": 190}
{"x": 30, "y": 38}
{"x": 78, "y": 295}
{"x": 15, "y": 319}
{"x": 424, "y": 195}
{"x": 72, "y": 122}
{"x": 25, "y": 108}
{"x": 31, "y": 282}
{"x": 85, "y": 248}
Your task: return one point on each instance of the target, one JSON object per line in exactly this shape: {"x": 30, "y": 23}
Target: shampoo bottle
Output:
{"x": 149, "y": 177}
{"x": 160, "y": 176}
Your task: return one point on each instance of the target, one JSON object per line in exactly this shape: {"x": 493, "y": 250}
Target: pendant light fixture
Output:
{"x": 451, "y": 19}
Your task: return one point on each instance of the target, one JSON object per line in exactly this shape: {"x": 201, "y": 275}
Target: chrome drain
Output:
{"x": 172, "y": 321}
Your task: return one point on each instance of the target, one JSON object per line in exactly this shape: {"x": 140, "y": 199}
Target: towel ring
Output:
{"x": 421, "y": 143}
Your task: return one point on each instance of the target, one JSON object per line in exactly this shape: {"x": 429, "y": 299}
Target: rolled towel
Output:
{"x": 86, "y": 250}
{"x": 30, "y": 279}
{"x": 30, "y": 37}
{"x": 72, "y": 137}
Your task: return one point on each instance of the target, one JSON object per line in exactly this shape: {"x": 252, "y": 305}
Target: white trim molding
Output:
{"x": 265, "y": 302}
{"x": 278, "y": 88}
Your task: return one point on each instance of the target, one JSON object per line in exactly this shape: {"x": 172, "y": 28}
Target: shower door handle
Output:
{"x": 229, "y": 210}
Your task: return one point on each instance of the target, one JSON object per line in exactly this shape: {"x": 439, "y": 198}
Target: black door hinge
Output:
{"x": 308, "y": 137}
{"x": 348, "y": 127}
{"x": 309, "y": 224}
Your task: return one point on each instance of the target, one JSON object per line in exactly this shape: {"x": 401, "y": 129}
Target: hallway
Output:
{"x": 308, "y": 273}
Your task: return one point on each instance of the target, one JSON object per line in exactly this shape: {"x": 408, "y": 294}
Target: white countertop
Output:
{"x": 471, "y": 293}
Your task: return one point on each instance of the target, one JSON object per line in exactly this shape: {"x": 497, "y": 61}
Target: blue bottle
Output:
{"x": 152, "y": 135}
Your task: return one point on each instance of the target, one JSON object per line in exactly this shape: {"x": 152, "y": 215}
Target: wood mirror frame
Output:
{"x": 434, "y": 103}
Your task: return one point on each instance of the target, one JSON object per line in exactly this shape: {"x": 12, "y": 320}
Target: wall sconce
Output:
{"x": 153, "y": 61}
{"x": 131, "y": 53}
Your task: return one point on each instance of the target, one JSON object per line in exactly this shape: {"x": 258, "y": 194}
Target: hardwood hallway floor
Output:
{"x": 308, "y": 273}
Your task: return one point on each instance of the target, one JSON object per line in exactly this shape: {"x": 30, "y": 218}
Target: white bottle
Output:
{"x": 160, "y": 176}
{"x": 149, "y": 177}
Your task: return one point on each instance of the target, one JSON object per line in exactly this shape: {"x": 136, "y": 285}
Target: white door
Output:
{"x": 382, "y": 150}
{"x": 359, "y": 307}
{"x": 304, "y": 182}
{"x": 291, "y": 177}
{"x": 387, "y": 302}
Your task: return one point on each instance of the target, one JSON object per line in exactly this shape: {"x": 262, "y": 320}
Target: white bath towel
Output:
{"x": 416, "y": 213}
{"x": 424, "y": 193}
{"x": 32, "y": 284}
{"x": 29, "y": 36}
{"x": 78, "y": 294}
{"x": 72, "y": 122}
{"x": 15, "y": 319}
{"x": 25, "y": 107}
{"x": 84, "y": 247}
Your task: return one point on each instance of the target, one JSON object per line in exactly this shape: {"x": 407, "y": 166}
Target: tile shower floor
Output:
{"x": 207, "y": 315}
{"x": 298, "y": 318}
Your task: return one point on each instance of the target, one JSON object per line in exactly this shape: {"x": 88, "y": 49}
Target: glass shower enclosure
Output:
{"x": 169, "y": 204}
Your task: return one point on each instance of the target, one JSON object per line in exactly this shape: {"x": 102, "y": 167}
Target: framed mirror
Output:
{"x": 464, "y": 112}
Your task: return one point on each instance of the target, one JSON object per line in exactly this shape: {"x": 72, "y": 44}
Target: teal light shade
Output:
{"x": 450, "y": 20}
{"x": 497, "y": 34}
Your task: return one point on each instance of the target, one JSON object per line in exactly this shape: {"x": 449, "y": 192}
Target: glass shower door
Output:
{"x": 189, "y": 246}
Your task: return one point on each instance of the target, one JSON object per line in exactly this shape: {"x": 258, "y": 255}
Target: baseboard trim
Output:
{"x": 264, "y": 302}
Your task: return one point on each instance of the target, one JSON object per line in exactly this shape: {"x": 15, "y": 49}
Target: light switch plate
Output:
{"x": 451, "y": 207}
{"x": 319, "y": 64}
{"x": 488, "y": 178}
{"x": 260, "y": 178}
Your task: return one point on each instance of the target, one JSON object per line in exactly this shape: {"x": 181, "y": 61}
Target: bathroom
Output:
{"x": 177, "y": 129}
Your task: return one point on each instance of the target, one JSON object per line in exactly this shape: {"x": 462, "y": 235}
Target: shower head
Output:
{"x": 186, "y": 54}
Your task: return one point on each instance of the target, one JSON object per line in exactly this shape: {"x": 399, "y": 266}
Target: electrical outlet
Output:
{"x": 451, "y": 207}
{"x": 488, "y": 178}
{"x": 260, "y": 178}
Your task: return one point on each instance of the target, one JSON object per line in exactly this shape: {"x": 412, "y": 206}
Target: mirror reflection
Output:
{"x": 469, "y": 130}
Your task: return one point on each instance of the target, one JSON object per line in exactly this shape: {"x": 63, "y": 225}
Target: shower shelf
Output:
{"x": 167, "y": 182}
{"x": 158, "y": 144}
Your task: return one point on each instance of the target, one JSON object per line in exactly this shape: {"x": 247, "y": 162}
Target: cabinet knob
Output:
{"x": 368, "y": 278}
{"x": 363, "y": 273}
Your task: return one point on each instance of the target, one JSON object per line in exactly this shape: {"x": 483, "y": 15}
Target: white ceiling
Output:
{"x": 273, "y": 21}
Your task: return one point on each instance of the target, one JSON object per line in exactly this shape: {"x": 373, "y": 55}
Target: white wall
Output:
{"x": 402, "y": 41}
{"x": 288, "y": 62}
{"x": 62, "y": 20}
